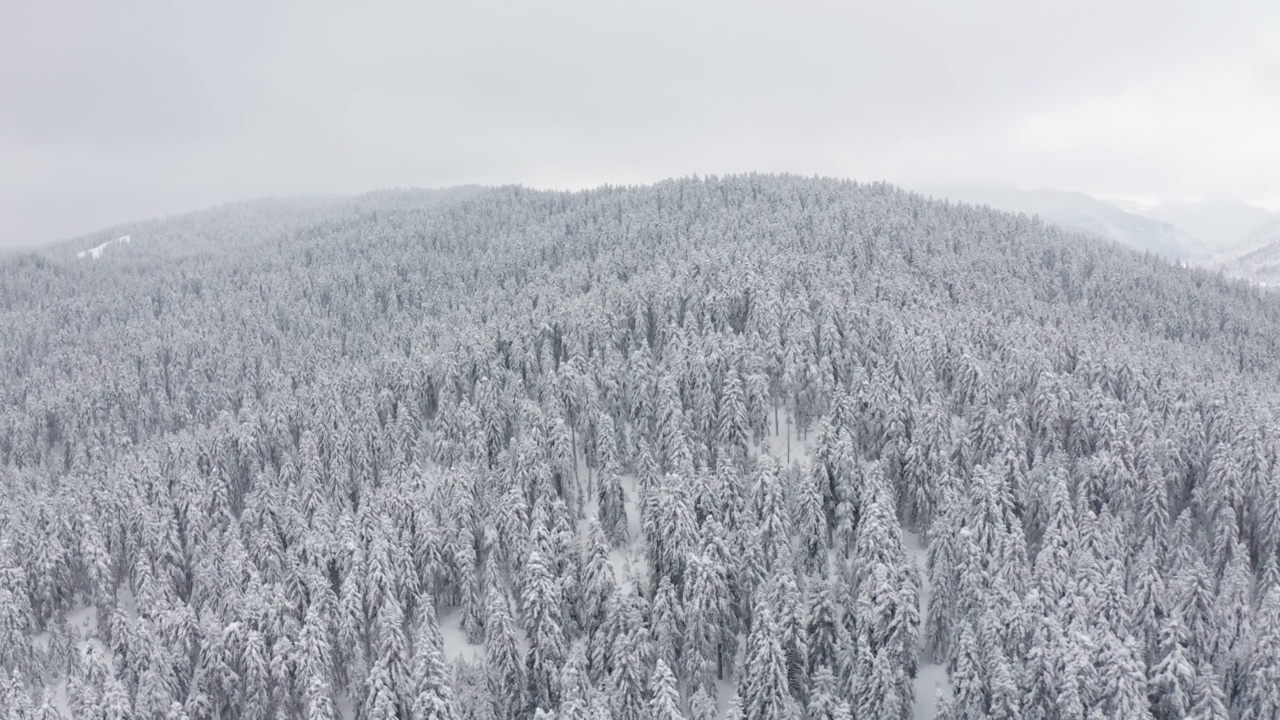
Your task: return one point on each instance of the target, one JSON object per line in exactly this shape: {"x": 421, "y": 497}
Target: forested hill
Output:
{"x": 634, "y": 453}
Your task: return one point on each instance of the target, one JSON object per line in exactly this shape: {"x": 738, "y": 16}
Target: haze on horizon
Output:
{"x": 121, "y": 111}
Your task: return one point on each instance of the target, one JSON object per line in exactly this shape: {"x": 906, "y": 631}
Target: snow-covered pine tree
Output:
{"x": 763, "y": 683}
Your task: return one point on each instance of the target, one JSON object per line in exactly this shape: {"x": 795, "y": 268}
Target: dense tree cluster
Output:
{"x": 634, "y": 453}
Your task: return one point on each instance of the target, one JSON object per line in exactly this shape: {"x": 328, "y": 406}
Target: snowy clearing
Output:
{"x": 96, "y": 252}
{"x": 930, "y": 676}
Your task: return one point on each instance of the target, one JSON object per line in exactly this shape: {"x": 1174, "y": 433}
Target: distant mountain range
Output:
{"x": 1084, "y": 213}
{"x": 1220, "y": 225}
{"x": 1240, "y": 239}
{"x": 1258, "y": 259}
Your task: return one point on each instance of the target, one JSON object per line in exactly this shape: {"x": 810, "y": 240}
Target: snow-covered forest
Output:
{"x": 694, "y": 450}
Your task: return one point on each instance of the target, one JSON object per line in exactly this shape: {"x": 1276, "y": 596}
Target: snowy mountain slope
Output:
{"x": 96, "y": 251}
{"x": 1219, "y": 225}
{"x": 1082, "y": 213}
{"x": 237, "y": 225}
{"x": 1259, "y": 259}
{"x": 791, "y": 446}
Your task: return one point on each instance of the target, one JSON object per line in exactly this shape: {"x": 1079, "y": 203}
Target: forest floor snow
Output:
{"x": 931, "y": 677}
{"x": 96, "y": 252}
{"x": 81, "y": 624}
{"x": 455, "y": 639}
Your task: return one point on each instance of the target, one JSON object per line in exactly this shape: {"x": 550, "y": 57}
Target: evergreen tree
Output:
{"x": 826, "y": 701}
{"x": 632, "y": 658}
{"x": 432, "y": 691}
{"x": 764, "y": 682}
{"x": 598, "y": 591}
{"x": 1261, "y": 698}
{"x": 317, "y": 667}
{"x": 1172, "y": 677}
{"x": 506, "y": 670}
{"x": 664, "y": 703}
{"x": 668, "y": 623}
{"x": 543, "y": 625}
{"x": 1208, "y": 702}
{"x": 734, "y": 424}
{"x": 611, "y": 503}
{"x": 820, "y": 625}
{"x": 575, "y": 684}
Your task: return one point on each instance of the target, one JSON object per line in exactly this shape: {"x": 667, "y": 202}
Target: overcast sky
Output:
{"x": 115, "y": 111}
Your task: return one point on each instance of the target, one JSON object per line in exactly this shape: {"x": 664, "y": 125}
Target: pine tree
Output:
{"x": 432, "y": 691}
{"x": 669, "y": 528}
{"x": 470, "y": 582}
{"x": 1262, "y": 697}
{"x": 810, "y": 522}
{"x": 470, "y": 691}
{"x": 381, "y": 699}
{"x": 820, "y": 625}
{"x": 664, "y": 703}
{"x": 1123, "y": 684}
{"x": 735, "y": 710}
{"x": 255, "y": 674}
{"x": 826, "y": 701}
{"x": 16, "y": 618}
{"x": 1208, "y": 702}
{"x": 48, "y": 710}
{"x": 702, "y": 706}
{"x": 792, "y": 633}
{"x": 764, "y": 682}
{"x": 1005, "y": 697}
{"x": 672, "y": 429}
{"x": 598, "y": 590}
{"x": 772, "y": 519}
{"x": 17, "y": 703}
{"x": 668, "y": 623}
{"x": 1172, "y": 677}
{"x": 969, "y": 697}
{"x": 575, "y": 684}
{"x": 543, "y": 624}
{"x": 734, "y": 425}
{"x": 707, "y": 623}
{"x": 316, "y": 666}
{"x": 392, "y": 651}
{"x": 611, "y": 508}
{"x": 632, "y": 658}
{"x": 505, "y": 672}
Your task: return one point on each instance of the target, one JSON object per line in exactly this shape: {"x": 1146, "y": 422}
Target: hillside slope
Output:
{"x": 1220, "y": 225}
{"x": 1082, "y": 213}
{"x": 1258, "y": 260}
{"x": 289, "y": 460}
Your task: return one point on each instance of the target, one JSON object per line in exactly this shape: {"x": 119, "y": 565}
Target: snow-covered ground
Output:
{"x": 629, "y": 563}
{"x": 82, "y": 625}
{"x": 930, "y": 676}
{"x": 346, "y": 708}
{"x": 786, "y": 445}
{"x": 96, "y": 252}
{"x": 455, "y": 639}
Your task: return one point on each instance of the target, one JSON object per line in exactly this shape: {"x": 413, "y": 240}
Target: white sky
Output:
{"x": 116, "y": 111}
